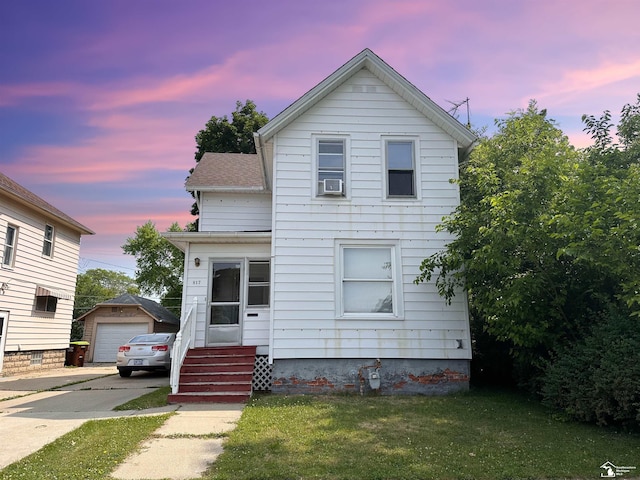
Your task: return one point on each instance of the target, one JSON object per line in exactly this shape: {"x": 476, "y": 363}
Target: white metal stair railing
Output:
{"x": 184, "y": 341}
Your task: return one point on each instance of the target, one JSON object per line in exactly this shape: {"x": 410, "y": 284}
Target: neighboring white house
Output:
{"x": 309, "y": 249}
{"x": 38, "y": 270}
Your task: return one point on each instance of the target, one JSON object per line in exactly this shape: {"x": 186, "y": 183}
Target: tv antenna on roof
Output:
{"x": 454, "y": 110}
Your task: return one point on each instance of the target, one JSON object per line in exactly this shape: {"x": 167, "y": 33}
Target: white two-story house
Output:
{"x": 308, "y": 250}
{"x": 38, "y": 271}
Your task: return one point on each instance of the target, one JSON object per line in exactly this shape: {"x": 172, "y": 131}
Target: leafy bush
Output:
{"x": 598, "y": 379}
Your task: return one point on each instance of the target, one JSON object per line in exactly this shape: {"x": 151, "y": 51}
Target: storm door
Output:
{"x": 224, "y": 305}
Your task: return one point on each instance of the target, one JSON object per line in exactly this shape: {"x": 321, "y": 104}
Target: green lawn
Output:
{"x": 479, "y": 435}
{"x": 90, "y": 452}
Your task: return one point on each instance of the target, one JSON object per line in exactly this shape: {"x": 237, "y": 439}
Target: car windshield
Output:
{"x": 150, "y": 338}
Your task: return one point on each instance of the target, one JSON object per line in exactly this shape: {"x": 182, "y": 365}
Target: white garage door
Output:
{"x": 110, "y": 336}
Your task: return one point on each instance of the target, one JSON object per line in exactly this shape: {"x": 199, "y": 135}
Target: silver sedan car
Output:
{"x": 150, "y": 351}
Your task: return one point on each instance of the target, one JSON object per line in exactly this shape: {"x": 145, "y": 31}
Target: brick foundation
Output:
{"x": 397, "y": 376}
{"x": 15, "y": 363}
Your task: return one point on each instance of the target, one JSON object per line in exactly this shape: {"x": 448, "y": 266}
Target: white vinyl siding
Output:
{"x": 31, "y": 329}
{"x": 307, "y": 316}
{"x": 235, "y": 212}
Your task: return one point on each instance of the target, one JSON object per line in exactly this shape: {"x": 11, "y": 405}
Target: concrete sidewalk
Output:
{"x": 38, "y": 408}
{"x": 173, "y": 452}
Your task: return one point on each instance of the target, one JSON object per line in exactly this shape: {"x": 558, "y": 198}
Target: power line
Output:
{"x": 87, "y": 260}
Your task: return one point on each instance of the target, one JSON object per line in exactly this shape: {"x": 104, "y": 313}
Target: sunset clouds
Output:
{"x": 100, "y": 101}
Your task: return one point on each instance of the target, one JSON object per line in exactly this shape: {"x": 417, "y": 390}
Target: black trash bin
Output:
{"x": 76, "y": 353}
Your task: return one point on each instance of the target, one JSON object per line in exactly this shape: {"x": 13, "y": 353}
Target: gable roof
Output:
{"x": 22, "y": 195}
{"x": 153, "y": 309}
{"x": 227, "y": 172}
{"x": 369, "y": 60}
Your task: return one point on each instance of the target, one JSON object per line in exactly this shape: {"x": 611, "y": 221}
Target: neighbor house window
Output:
{"x": 36, "y": 358}
{"x": 46, "y": 303}
{"x": 10, "y": 241}
{"x": 331, "y": 166}
{"x": 401, "y": 171}
{"x": 258, "y": 290}
{"x": 47, "y": 246}
{"x": 368, "y": 280}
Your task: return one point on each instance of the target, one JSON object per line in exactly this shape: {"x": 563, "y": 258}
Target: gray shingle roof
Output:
{"x": 227, "y": 172}
{"x": 25, "y": 196}
{"x": 157, "y": 311}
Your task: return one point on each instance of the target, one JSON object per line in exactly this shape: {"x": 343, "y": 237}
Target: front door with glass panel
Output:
{"x": 225, "y": 303}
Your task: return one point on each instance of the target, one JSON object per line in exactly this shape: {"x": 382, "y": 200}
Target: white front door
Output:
{"x": 225, "y": 303}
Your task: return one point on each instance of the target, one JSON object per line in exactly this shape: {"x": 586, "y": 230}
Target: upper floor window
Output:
{"x": 331, "y": 163}
{"x": 10, "y": 241}
{"x": 47, "y": 246}
{"x": 401, "y": 168}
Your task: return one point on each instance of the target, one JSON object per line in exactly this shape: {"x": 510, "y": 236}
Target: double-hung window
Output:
{"x": 10, "y": 241}
{"x": 331, "y": 163}
{"x": 258, "y": 288}
{"x": 401, "y": 168}
{"x": 47, "y": 245}
{"x": 368, "y": 281}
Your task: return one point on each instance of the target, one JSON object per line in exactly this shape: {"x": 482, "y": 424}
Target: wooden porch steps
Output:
{"x": 216, "y": 375}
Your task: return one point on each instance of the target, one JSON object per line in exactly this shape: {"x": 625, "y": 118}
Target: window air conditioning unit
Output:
{"x": 332, "y": 186}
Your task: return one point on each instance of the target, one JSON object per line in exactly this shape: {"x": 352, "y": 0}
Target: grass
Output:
{"x": 92, "y": 451}
{"x": 479, "y": 435}
{"x": 156, "y": 398}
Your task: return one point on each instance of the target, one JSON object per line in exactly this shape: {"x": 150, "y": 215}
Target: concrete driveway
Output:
{"x": 37, "y": 409}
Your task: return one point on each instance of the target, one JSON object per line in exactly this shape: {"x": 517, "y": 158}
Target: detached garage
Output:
{"x": 112, "y": 323}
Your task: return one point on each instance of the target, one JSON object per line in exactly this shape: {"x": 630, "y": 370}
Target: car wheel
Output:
{"x": 124, "y": 372}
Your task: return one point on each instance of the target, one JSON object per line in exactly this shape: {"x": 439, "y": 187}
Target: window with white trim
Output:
{"x": 47, "y": 245}
{"x": 258, "y": 287}
{"x": 368, "y": 280}
{"x": 10, "y": 241}
{"x": 400, "y": 168}
{"x": 331, "y": 165}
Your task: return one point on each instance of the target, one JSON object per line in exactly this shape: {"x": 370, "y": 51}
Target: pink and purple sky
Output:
{"x": 100, "y": 100}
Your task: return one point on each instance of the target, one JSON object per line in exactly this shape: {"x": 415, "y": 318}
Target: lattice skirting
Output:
{"x": 262, "y": 377}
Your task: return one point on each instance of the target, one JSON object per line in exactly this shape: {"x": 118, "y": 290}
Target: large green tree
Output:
{"x": 97, "y": 285}
{"x": 546, "y": 237}
{"x": 230, "y": 136}
{"x": 235, "y": 136}
{"x": 159, "y": 264}
{"x": 503, "y": 252}
{"x": 600, "y": 224}
{"x": 597, "y": 379}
